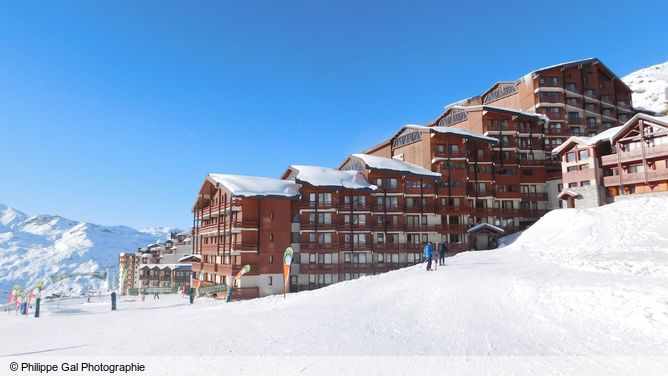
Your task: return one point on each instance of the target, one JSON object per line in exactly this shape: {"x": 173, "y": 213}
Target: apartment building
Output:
{"x": 618, "y": 163}
{"x": 241, "y": 220}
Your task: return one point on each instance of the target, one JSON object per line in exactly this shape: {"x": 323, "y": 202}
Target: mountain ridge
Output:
{"x": 33, "y": 247}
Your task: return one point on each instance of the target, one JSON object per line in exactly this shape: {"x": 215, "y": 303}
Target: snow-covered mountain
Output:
{"x": 649, "y": 87}
{"x": 33, "y": 247}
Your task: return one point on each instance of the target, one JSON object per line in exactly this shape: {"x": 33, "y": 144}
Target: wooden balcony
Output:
{"x": 398, "y": 247}
{"x": 635, "y": 155}
{"x": 244, "y": 246}
{"x": 558, "y": 131}
{"x": 635, "y": 178}
{"x": 414, "y": 227}
{"x": 381, "y": 227}
{"x": 417, "y": 190}
{"x": 382, "y": 208}
{"x": 343, "y": 208}
{"x": 421, "y": 209}
{"x": 534, "y": 196}
{"x": 444, "y": 154}
{"x": 319, "y": 226}
{"x": 307, "y": 246}
{"x": 454, "y": 228}
{"x": 319, "y": 205}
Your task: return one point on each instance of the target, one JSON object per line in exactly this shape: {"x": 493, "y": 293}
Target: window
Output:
{"x": 573, "y": 116}
{"x": 453, "y": 149}
{"x": 571, "y": 168}
{"x": 380, "y": 258}
{"x": 271, "y": 237}
{"x": 585, "y": 183}
{"x": 572, "y": 185}
{"x": 570, "y": 157}
{"x": 583, "y": 154}
{"x": 325, "y": 238}
{"x": 325, "y": 198}
{"x": 325, "y": 218}
{"x": 346, "y": 257}
{"x": 271, "y": 215}
{"x": 270, "y": 280}
{"x": 441, "y": 148}
{"x": 295, "y": 237}
{"x": 311, "y": 279}
{"x": 312, "y": 257}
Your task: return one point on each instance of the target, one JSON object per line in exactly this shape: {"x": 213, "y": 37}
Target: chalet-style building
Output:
{"x": 241, "y": 220}
{"x": 622, "y": 161}
{"x": 484, "y": 168}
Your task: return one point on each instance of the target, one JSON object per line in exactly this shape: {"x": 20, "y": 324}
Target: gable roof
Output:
{"x": 394, "y": 165}
{"x": 449, "y": 131}
{"x": 255, "y": 186}
{"x": 662, "y": 120}
{"x": 328, "y": 177}
{"x": 606, "y": 135}
{"x": 485, "y": 226}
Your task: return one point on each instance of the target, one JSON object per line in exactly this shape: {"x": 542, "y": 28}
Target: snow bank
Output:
{"x": 627, "y": 237}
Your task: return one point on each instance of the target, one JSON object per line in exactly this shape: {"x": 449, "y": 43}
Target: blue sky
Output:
{"x": 113, "y": 112}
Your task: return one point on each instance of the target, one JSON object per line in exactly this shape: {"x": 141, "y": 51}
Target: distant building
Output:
{"x": 157, "y": 265}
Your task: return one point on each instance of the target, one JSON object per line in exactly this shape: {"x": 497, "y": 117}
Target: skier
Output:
{"x": 437, "y": 254}
{"x": 428, "y": 254}
{"x": 441, "y": 254}
{"x": 156, "y": 296}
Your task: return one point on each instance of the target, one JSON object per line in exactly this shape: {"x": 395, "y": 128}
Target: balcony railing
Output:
{"x": 536, "y": 196}
{"x": 319, "y": 205}
{"x": 634, "y": 178}
{"x": 444, "y": 154}
{"x": 558, "y": 131}
{"x": 635, "y": 155}
{"x": 307, "y": 246}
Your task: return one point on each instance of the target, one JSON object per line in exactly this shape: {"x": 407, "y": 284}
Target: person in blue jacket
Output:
{"x": 428, "y": 254}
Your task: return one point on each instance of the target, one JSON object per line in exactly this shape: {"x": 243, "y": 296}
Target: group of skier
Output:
{"x": 429, "y": 254}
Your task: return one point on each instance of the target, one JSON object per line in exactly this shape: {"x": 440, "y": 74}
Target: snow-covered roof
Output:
{"x": 663, "y": 120}
{"x": 481, "y": 226}
{"x": 567, "y": 192}
{"x": 329, "y": 177}
{"x": 390, "y": 164}
{"x": 450, "y": 130}
{"x": 198, "y": 257}
{"x": 165, "y": 266}
{"x": 255, "y": 186}
{"x": 581, "y": 61}
{"x": 534, "y": 115}
{"x": 606, "y": 135}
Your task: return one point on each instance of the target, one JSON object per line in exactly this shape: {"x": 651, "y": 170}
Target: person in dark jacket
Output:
{"x": 428, "y": 254}
{"x": 441, "y": 254}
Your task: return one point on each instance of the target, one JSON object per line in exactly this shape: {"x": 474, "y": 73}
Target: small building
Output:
{"x": 582, "y": 171}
